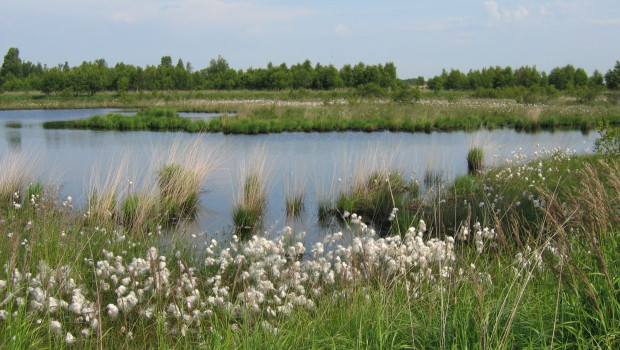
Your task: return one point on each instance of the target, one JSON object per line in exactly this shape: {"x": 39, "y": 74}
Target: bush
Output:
{"x": 608, "y": 142}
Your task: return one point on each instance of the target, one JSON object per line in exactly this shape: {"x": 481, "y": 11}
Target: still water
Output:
{"x": 320, "y": 162}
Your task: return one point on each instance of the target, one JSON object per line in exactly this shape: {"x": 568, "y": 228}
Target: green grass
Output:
{"x": 548, "y": 279}
{"x": 475, "y": 156}
{"x": 249, "y": 112}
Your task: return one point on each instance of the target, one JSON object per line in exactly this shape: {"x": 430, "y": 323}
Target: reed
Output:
{"x": 182, "y": 174}
{"x": 104, "y": 189}
{"x": 18, "y": 170}
{"x": 475, "y": 156}
{"x": 249, "y": 208}
{"x": 295, "y": 191}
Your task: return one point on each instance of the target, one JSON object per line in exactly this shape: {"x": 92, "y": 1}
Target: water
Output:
{"x": 321, "y": 161}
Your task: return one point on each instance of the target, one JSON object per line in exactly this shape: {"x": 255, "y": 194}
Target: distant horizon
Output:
{"x": 421, "y": 39}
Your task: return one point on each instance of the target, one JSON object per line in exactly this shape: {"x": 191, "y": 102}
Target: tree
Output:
{"x": 456, "y": 80}
{"x": 166, "y": 61}
{"x": 527, "y": 77}
{"x": 581, "y": 77}
{"x": 53, "y": 80}
{"x": 596, "y": 80}
{"x": 612, "y": 78}
{"x": 12, "y": 65}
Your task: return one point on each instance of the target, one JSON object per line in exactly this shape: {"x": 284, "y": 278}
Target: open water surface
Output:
{"x": 322, "y": 161}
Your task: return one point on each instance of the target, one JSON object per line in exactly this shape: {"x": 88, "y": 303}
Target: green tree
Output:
{"x": 12, "y": 63}
{"x": 166, "y": 61}
{"x": 53, "y": 80}
{"x": 455, "y": 80}
{"x": 302, "y": 75}
{"x": 596, "y": 80}
{"x": 612, "y": 77}
{"x": 527, "y": 77}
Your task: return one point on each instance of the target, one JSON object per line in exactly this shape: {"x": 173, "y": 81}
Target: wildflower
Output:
{"x": 55, "y": 326}
{"x": 112, "y": 311}
{"x": 16, "y": 205}
{"x": 70, "y": 339}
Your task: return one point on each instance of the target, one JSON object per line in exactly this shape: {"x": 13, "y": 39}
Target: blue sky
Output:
{"x": 420, "y": 37}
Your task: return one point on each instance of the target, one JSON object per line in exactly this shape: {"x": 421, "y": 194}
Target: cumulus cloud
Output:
{"x": 493, "y": 9}
{"x": 506, "y": 14}
{"x": 520, "y": 13}
{"x": 342, "y": 30}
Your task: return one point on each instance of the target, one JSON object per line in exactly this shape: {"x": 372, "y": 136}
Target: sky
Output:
{"x": 420, "y": 37}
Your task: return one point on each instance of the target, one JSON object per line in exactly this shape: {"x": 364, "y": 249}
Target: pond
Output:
{"x": 320, "y": 162}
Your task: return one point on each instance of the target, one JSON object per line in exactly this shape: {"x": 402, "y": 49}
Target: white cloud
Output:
{"x": 342, "y": 30}
{"x": 493, "y": 9}
{"x": 506, "y": 14}
{"x": 520, "y": 13}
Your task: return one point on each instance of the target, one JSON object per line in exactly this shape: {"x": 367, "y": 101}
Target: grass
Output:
{"x": 295, "y": 191}
{"x": 251, "y": 203}
{"x": 530, "y": 276}
{"x": 246, "y": 112}
{"x": 475, "y": 157}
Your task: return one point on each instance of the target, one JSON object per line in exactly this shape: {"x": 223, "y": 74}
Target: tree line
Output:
{"x": 92, "y": 77}
{"x": 567, "y": 78}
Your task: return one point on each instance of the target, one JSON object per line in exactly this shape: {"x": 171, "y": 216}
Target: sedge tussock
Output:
{"x": 251, "y": 194}
{"x": 18, "y": 170}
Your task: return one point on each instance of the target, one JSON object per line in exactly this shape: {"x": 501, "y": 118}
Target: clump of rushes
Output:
{"x": 250, "y": 208}
{"x": 103, "y": 192}
{"x": 182, "y": 175}
{"x": 378, "y": 196}
{"x": 17, "y": 169}
{"x": 294, "y": 205}
{"x": 474, "y": 160}
{"x": 295, "y": 190}
{"x": 139, "y": 211}
{"x": 179, "y": 189}
{"x": 251, "y": 201}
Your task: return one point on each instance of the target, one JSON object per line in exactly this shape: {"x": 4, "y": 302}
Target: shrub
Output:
{"x": 608, "y": 142}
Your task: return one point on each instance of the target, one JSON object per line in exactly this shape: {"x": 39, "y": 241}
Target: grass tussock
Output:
{"x": 475, "y": 156}
{"x": 251, "y": 200}
{"x": 18, "y": 170}
{"x": 295, "y": 191}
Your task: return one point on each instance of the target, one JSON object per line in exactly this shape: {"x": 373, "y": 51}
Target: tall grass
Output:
{"x": 295, "y": 191}
{"x": 251, "y": 201}
{"x": 18, "y": 170}
{"x": 475, "y": 156}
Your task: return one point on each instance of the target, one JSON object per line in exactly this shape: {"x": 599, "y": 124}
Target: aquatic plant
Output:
{"x": 251, "y": 199}
{"x": 475, "y": 156}
{"x": 295, "y": 192}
